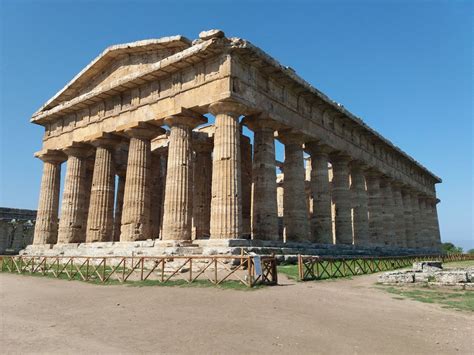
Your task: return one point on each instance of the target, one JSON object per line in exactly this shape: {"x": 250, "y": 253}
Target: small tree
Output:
{"x": 470, "y": 251}
{"x": 450, "y": 248}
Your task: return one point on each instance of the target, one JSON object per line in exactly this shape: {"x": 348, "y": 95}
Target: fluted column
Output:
{"x": 387, "y": 211}
{"x": 164, "y": 173}
{"x": 417, "y": 226}
{"x": 88, "y": 187}
{"x": 119, "y": 203}
{"x": 46, "y": 226}
{"x": 360, "y": 212}
{"x": 156, "y": 195}
{"x": 202, "y": 189}
{"x": 246, "y": 182}
{"x": 72, "y": 225}
{"x": 321, "y": 224}
{"x": 434, "y": 223}
{"x": 424, "y": 223}
{"x": 408, "y": 219}
{"x": 342, "y": 199}
{"x": 372, "y": 179}
{"x": 226, "y": 203}
{"x": 264, "y": 207}
{"x": 100, "y": 222}
{"x": 294, "y": 197}
{"x": 136, "y": 202}
{"x": 399, "y": 216}
{"x": 178, "y": 194}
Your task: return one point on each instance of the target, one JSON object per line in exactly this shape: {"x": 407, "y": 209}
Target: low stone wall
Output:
{"x": 431, "y": 273}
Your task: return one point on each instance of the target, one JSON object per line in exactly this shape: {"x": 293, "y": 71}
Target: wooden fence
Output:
{"x": 248, "y": 270}
{"x": 319, "y": 268}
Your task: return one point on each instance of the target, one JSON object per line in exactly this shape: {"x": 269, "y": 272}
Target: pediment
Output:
{"x": 117, "y": 62}
{"x": 121, "y": 66}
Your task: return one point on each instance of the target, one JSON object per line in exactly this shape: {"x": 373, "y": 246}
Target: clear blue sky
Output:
{"x": 405, "y": 67}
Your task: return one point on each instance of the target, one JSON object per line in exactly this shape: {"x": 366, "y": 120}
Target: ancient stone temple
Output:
{"x": 142, "y": 164}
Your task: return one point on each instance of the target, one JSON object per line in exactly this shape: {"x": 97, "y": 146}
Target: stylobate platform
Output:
{"x": 206, "y": 247}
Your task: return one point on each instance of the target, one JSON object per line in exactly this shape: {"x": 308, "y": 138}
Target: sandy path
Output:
{"x": 344, "y": 316}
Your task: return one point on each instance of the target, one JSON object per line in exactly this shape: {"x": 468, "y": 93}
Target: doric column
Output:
{"x": 264, "y": 208}
{"x": 226, "y": 203}
{"x": 46, "y": 226}
{"x": 360, "y": 214}
{"x": 202, "y": 189}
{"x": 100, "y": 221}
{"x": 72, "y": 225}
{"x": 136, "y": 201}
{"x": 246, "y": 182}
{"x": 434, "y": 223}
{"x": 372, "y": 178}
{"x": 424, "y": 222}
{"x": 121, "y": 173}
{"x": 164, "y": 169}
{"x": 387, "y": 211}
{"x": 156, "y": 195}
{"x": 399, "y": 216}
{"x": 408, "y": 218}
{"x": 417, "y": 226}
{"x": 294, "y": 197}
{"x": 88, "y": 187}
{"x": 178, "y": 194}
{"x": 342, "y": 198}
{"x": 321, "y": 228}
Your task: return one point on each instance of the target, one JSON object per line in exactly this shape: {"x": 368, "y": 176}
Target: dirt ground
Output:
{"x": 343, "y": 316}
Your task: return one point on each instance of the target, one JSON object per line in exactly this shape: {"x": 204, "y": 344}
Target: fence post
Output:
{"x": 300, "y": 276}
{"x": 250, "y": 271}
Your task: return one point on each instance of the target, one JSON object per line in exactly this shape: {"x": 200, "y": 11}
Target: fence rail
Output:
{"x": 319, "y": 268}
{"x": 162, "y": 269}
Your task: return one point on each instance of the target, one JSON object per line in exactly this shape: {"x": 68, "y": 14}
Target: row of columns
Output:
{"x": 369, "y": 208}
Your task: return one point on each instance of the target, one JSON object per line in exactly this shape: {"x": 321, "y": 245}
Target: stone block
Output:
{"x": 427, "y": 266}
{"x": 470, "y": 275}
{"x": 423, "y": 276}
{"x": 396, "y": 277}
{"x": 450, "y": 277}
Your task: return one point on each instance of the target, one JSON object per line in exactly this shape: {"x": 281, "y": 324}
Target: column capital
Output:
{"x": 260, "y": 121}
{"x": 357, "y": 165}
{"x": 51, "y": 156}
{"x": 373, "y": 173}
{"x": 79, "y": 150}
{"x": 288, "y": 136}
{"x": 141, "y": 130}
{"x": 186, "y": 118}
{"x": 340, "y": 157}
{"x": 232, "y": 108}
{"x": 105, "y": 140}
{"x": 317, "y": 148}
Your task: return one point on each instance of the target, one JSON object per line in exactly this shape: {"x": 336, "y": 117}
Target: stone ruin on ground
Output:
{"x": 431, "y": 273}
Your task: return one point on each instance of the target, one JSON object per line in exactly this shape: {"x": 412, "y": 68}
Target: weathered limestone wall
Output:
{"x": 16, "y": 229}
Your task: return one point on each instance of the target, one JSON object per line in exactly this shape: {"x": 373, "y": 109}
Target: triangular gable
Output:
{"x": 117, "y": 61}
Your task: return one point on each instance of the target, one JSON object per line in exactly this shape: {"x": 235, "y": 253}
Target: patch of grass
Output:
{"x": 464, "y": 263}
{"x": 291, "y": 271}
{"x": 449, "y": 298}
